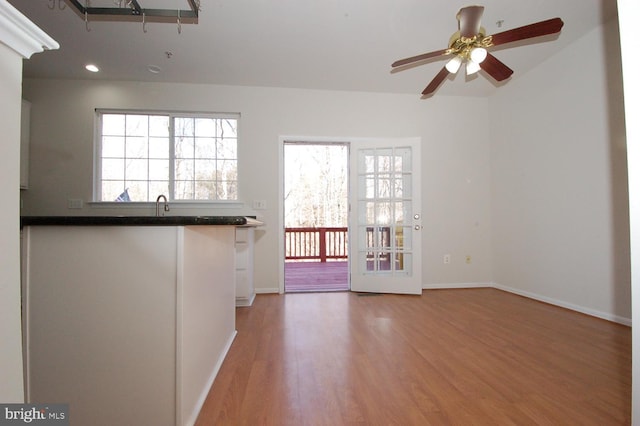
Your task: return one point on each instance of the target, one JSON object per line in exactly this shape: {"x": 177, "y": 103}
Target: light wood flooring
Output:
{"x": 459, "y": 357}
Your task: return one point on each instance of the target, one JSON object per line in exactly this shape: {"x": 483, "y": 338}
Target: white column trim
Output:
{"x": 22, "y": 35}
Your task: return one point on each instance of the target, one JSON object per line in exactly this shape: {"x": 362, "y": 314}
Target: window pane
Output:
{"x": 184, "y": 126}
{"x": 397, "y": 186}
{"x": 158, "y": 187}
{"x": 136, "y": 169}
{"x": 385, "y": 160}
{"x": 205, "y": 190}
{"x": 113, "y": 146}
{"x": 403, "y": 160}
{"x": 205, "y": 127}
{"x": 159, "y": 148}
{"x": 205, "y": 169}
{"x": 369, "y": 186}
{"x": 138, "y": 190}
{"x": 158, "y": 170}
{"x": 184, "y": 190}
{"x": 159, "y": 126}
{"x": 184, "y": 169}
{"x": 137, "y": 147}
{"x": 384, "y": 213}
{"x": 137, "y": 125}
{"x": 113, "y": 124}
{"x": 401, "y": 212}
{"x": 384, "y": 186}
{"x": 406, "y": 186}
{"x": 228, "y": 128}
{"x": 370, "y": 209}
{"x": 184, "y": 147}
{"x": 367, "y": 161}
{"x": 227, "y": 148}
{"x": 205, "y": 148}
{"x": 113, "y": 169}
{"x": 228, "y": 169}
{"x": 227, "y": 190}
{"x": 111, "y": 189}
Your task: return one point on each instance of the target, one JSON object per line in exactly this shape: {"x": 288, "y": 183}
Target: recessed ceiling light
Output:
{"x": 154, "y": 69}
{"x": 92, "y": 68}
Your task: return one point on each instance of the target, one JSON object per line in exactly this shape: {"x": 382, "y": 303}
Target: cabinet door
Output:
{"x": 245, "y": 292}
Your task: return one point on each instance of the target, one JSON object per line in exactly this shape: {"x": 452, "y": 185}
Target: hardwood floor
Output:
{"x": 461, "y": 357}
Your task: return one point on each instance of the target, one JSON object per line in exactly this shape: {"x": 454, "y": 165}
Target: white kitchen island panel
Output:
{"x": 127, "y": 324}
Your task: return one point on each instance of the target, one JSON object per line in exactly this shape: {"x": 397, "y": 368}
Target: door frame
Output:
{"x": 350, "y": 142}
{"x": 311, "y": 140}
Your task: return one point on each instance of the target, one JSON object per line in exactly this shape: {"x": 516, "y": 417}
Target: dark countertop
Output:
{"x": 137, "y": 220}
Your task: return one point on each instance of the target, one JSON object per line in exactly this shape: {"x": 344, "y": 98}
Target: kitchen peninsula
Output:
{"x": 128, "y": 319}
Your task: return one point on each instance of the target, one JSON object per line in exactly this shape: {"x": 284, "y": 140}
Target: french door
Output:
{"x": 385, "y": 219}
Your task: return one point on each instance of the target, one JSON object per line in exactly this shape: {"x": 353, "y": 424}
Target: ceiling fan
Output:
{"x": 469, "y": 45}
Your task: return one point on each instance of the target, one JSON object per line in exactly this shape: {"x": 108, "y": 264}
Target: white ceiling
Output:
{"x": 314, "y": 44}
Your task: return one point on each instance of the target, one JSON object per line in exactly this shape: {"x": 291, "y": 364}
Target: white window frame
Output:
{"x": 97, "y": 166}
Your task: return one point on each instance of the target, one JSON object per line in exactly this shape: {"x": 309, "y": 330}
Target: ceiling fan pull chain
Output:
{"x": 179, "y": 24}
{"x": 144, "y": 23}
{"x": 86, "y": 21}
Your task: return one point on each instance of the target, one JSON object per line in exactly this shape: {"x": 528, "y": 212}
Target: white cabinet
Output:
{"x": 245, "y": 292}
{"x": 25, "y": 122}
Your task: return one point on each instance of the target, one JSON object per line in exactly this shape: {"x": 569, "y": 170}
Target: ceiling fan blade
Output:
{"x": 550, "y": 26}
{"x": 469, "y": 20}
{"x": 418, "y": 58}
{"x": 436, "y": 82}
{"x": 496, "y": 68}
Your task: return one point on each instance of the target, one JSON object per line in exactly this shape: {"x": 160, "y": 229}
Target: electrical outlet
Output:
{"x": 74, "y": 203}
{"x": 259, "y": 204}
{"x": 467, "y": 259}
{"x": 447, "y": 259}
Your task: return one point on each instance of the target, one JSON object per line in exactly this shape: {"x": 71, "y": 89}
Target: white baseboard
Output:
{"x": 243, "y": 302}
{"x": 588, "y": 311}
{"x": 563, "y": 304}
{"x": 455, "y": 285}
{"x": 205, "y": 391}
{"x": 267, "y": 290}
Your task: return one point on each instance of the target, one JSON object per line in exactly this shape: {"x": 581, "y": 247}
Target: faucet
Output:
{"x": 166, "y": 205}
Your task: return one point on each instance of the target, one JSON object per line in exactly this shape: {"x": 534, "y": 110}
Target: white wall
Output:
{"x": 19, "y": 39}
{"x": 629, "y": 12}
{"x": 559, "y": 191}
{"x": 455, "y": 166}
{"x": 10, "y": 330}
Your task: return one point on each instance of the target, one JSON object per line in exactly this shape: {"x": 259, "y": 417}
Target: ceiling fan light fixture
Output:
{"x": 454, "y": 64}
{"x": 470, "y": 43}
{"x": 478, "y": 54}
{"x": 92, "y": 68}
{"x": 472, "y": 67}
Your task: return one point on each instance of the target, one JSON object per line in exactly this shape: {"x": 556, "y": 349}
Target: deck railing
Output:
{"x": 316, "y": 243}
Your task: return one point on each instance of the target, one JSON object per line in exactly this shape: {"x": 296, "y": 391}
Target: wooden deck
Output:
{"x": 316, "y": 276}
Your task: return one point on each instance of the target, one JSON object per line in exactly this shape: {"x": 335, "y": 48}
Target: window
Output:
{"x": 186, "y": 157}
